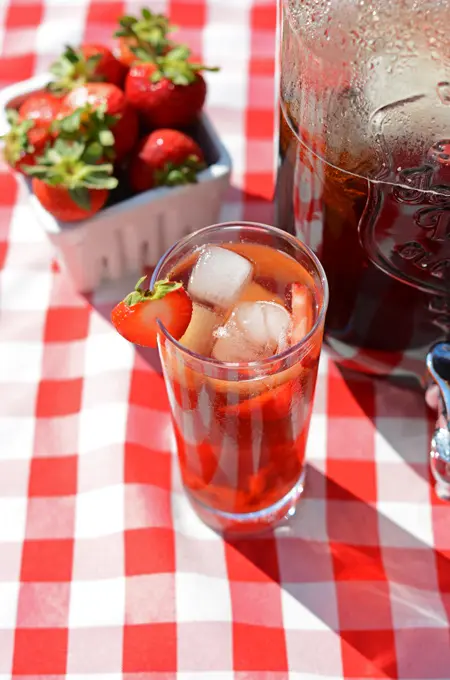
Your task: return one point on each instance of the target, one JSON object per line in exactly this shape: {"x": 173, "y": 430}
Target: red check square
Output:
{"x": 47, "y": 560}
{"x": 351, "y": 396}
{"x": 259, "y": 122}
{"x": 360, "y": 482}
{"x": 53, "y": 476}
{"x": 40, "y": 651}
{"x": 149, "y": 551}
{"x": 443, "y": 570}
{"x": 150, "y": 647}
{"x": 24, "y": 14}
{"x": 259, "y": 648}
{"x": 146, "y": 466}
{"x": 8, "y": 186}
{"x": 264, "y": 16}
{"x": 108, "y": 12}
{"x": 249, "y": 560}
{"x": 190, "y": 14}
{"x": 66, "y": 324}
{"x": 13, "y": 69}
{"x": 357, "y": 562}
{"x": 3, "y": 252}
{"x": 59, "y": 397}
{"x": 368, "y": 654}
{"x": 142, "y": 395}
{"x": 260, "y": 184}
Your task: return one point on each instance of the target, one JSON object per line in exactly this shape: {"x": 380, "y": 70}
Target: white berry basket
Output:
{"x": 124, "y": 238}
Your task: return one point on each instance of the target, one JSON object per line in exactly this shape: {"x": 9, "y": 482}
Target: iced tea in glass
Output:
{"x": 241, "y": 380}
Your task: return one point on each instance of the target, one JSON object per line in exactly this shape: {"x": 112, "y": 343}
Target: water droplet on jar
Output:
{"x": 443, "y": 90}
{"x": 440, "y": 152}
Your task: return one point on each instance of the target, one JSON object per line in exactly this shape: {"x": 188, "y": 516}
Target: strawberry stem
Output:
{"x": 174, "y": 66}
{"x": 67, "y": 165}
{"x": 147, "y": 32}
{"x": 177, "y": 174}
{"x": 16, "y": 140}
{"x": 72, "y": 69}
{"x": 160, "y": 290}
{"x": 90, "y": 126}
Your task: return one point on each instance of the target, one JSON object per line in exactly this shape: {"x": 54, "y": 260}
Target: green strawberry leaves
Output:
{"x": 74, "y": 166}
{"x": 175, "y": 66}
{"x": 16, "y": 139}
{"x": 89, "y": 125}
{"x": 72, "y": 69}
{"x": 81, "y": 198}
{"x": 177, "y": 174}
{"x": 148, "y": 33}
{"x": 160, "y": 290}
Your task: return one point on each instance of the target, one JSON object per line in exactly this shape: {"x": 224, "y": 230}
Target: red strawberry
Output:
{"x": 168, "y": 91}
{"x": 59, "y": 202}
{"x": 112, "y": 101}
{"x": 41, "y": 107}
{"x": 90, "y": 63}
{"x": 29, "y": 131}
{"x": 146, "y": 33}
{"x": 302, "y": 312}
{"x": 165, "y": 157}
{"x": 70, "y": 182}
{"x": 135, "y": 318}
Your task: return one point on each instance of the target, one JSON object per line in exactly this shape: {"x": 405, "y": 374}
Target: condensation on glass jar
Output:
{"x": 364, "y": 176}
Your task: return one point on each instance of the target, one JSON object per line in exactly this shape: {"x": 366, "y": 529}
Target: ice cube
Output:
{"x": 218, "y": 277}
{"x": 199, "y": 334}
{"x": 254, "y": 331}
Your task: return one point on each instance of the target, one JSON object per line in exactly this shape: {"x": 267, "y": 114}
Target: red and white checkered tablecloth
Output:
{"x": 105, "y": 572}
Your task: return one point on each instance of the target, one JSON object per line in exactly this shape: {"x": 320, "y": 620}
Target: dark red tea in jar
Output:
{"x": 364, "y": 176}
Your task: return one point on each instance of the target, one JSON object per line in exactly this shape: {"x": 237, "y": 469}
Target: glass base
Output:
{"x": 250, "y": 523}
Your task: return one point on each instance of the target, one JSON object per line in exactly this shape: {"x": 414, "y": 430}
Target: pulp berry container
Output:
{"x": 132, "y": 233}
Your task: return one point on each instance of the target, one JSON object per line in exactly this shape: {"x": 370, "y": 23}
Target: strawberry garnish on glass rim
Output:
{"x": 148, "y": 32}
{"x": 136, "y": 317}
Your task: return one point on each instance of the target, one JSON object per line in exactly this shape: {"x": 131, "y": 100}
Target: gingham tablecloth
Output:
{"x": 105, "y": 572}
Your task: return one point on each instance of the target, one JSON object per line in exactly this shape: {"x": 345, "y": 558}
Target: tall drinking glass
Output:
{"x": 241, "y": 427}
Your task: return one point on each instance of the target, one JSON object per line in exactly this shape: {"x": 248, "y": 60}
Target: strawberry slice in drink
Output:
{"x": 135, "y": 318}
{"x": 302, "y": 312}
{"x": 272, "y": 404}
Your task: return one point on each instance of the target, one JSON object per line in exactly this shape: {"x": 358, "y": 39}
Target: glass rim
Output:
{"x": 285, "y": 354}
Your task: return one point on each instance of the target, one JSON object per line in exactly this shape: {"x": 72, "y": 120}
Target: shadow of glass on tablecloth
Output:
{"x": 397, "y": 409}
{"x": 376, "y": 592}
